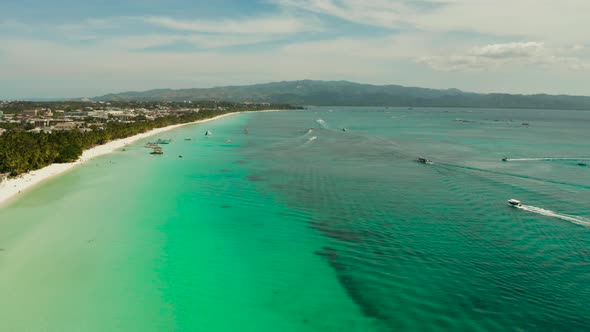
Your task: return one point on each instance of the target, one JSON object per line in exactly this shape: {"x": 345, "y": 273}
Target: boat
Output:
{"x": 163, "y": 141}
{"x": 151, "y": 145}
{"x": 188, "y": 139}
{"x": 582, "y": 164}
{"x": 208, "y": 133}
{"x": 505, "y": 159}
{"x": 423, "y": 160}
{"x": 344, "y": 129}
{"x": 246, "y": 131}
{"x": 180, "y": 156}
{"x": 157, "y": 151}
{"x": 514, "y": 202}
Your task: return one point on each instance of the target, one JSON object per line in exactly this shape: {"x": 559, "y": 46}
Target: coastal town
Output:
{"x": 86, "y": 116}
{"x": 34, "y": 135}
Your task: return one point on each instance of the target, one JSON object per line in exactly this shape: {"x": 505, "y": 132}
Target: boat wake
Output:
{"x": 322, "y": 123}
{"x": 573, "y": 219}
{"x": 545, "y": 159}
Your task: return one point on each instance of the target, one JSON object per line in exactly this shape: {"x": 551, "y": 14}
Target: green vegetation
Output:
{"x": 342, "y": 93}
{"x": 22, "y": 151}
{"x": 17, "y": 107}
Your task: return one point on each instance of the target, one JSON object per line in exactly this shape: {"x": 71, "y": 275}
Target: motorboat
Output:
{"x": 163, "y": 141}
{"x": 505, "y": 159}
{"x": 514, "y": 202}
{"x": 208, "y": 133}
{"x": 188, "y": 139}
{"x": 423, "y": 160}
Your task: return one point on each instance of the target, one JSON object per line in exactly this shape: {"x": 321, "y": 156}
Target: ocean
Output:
{"x": 314, "y": 220}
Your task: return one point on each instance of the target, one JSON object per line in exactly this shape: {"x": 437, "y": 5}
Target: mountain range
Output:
{"x": 344, "y": 93}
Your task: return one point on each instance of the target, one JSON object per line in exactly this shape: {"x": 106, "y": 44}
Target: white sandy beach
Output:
{"x": 11, "y": 188}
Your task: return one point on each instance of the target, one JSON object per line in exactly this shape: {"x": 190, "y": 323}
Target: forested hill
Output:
{"x": 343, "y": 93}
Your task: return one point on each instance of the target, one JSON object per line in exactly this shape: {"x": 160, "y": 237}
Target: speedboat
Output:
{"x": 514, "y": 202}
{"x": 505, "y": 159}
{"x": 423, "y": 160}
{"x": 208, "y": 133}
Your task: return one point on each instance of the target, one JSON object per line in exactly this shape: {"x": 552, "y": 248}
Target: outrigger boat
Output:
{"x": 157, "y": 150}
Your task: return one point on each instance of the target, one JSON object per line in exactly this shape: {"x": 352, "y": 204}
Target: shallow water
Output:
{"x": 287, "y": 229}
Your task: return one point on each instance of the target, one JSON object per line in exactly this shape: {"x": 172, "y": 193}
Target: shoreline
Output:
{"x": 11, "y": 188}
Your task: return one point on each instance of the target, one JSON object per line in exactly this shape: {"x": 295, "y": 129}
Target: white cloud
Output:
{"x": 384, "y": 13}
{"x": 462, "y": 39}
{"x": 200, "y": 41}
{"x": 509, "y": 50}
{"x": 498, "y": 55}
{"x": 275, "y": 25}
{"x": 547, "y": 20}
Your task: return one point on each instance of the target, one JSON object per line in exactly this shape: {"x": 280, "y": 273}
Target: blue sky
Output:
{"x": 69, "y": 48}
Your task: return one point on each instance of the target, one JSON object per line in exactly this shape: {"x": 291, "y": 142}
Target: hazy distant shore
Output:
{"x": 10, "y": 188}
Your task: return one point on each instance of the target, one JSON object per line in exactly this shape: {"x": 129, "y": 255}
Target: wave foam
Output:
{"x": 573, "y": 219}
{"x": 546, "y": 159}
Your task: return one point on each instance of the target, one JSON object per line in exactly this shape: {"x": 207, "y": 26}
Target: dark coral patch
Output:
{"x": 255, "y": 178}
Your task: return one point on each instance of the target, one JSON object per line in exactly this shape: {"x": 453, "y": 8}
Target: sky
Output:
{"x": 73, "y": 48}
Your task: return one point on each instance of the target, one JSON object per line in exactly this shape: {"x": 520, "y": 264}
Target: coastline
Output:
{"x": 12, "y": 187}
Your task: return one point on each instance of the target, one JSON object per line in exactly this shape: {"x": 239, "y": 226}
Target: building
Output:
{"x": 30, "y": 113}
{"x": 40, "y": 130}
{"x": 65, "y": 126}
{"x": 76, "y": 114}
{"x": 41, "y": 122}
{"x": 98, "y": 114}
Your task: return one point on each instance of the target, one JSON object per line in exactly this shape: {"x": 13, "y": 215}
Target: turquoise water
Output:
{"x": 286, "y": 229}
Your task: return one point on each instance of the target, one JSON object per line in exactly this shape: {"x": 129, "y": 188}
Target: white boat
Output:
{"x": 423, "y": 160}
{"x": 208, "y": 133}
{"x": 514, "y": 202}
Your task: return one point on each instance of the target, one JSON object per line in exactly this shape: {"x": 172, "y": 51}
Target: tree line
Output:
{"x": 22, "y": 151}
